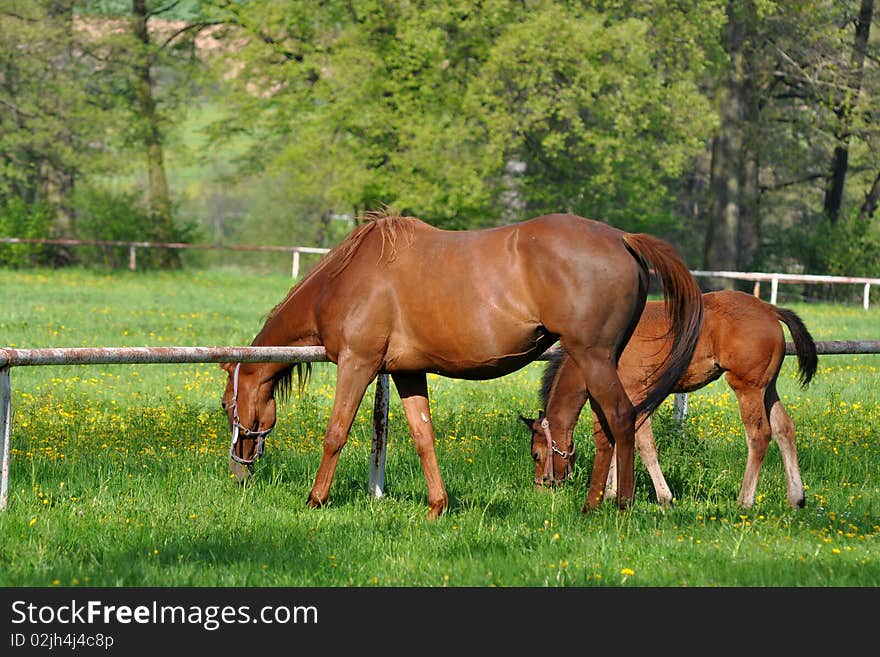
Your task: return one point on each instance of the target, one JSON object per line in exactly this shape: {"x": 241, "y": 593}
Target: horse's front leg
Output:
{"x": 413, "y": 391}
{"x": 352, "y": 378}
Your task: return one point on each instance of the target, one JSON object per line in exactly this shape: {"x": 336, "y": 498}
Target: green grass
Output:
{"x": 119, "y": 477}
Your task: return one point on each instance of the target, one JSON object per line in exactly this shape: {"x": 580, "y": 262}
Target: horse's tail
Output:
{"x": 804, "y": 345}
{"x": 684, "y": 307}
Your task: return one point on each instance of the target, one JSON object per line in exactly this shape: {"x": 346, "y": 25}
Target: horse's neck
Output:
{"x": 567, "y": 397}
{"x": 292, "y": 323}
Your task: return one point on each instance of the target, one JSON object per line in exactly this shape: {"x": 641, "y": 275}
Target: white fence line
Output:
{"x": 134, "y": 246}
{"x": 136, "y": 355}
{"x": 775, "y": 279}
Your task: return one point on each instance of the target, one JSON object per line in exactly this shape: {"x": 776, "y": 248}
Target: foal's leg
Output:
{"x": 783, "y": 432}
{"x": 352, "y": 379}
{"x": 413, "y": 391}
{"x": 648, "y": 453}
{"x": 757, "y": 426}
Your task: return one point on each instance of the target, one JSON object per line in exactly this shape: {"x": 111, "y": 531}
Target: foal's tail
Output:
{"x": 804, "y": 345}
{"x": 684, "y": 307}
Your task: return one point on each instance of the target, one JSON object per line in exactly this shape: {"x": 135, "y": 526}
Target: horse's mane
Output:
{"x": 391, "y": 226}
{"x": 554, "y": 360}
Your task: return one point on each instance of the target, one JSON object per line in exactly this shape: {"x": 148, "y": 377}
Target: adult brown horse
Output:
{"x": 403, "y": 297}
{"x": 741, "y": 338}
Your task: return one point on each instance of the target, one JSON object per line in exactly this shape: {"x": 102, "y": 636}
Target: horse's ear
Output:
{"x": 227, "y": 366}
{"x": 529, "y": 422}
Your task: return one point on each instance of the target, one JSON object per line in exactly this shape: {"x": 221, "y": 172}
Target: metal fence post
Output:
{"x": 380, "y": 437}
{"x": 6, "y": 415}
{"x": 295, "y": 268}
{"x": 680, "y": 409}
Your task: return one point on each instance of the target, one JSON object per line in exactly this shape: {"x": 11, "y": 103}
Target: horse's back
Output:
{"x": 740, "y": 334}
{"x": 464, "y": 303}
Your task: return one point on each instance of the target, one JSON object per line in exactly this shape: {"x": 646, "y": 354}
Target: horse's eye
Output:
{"x": 223, "y": 404}
{"x": 536, "y": 456}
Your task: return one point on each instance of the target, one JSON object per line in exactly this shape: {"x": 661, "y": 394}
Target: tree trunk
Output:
{"x": 721, "y": 248}
{"x": 872, "y": 198}
{"x": 843, "y": 110}
{"x": 159, "y": 199}
{"x": 56, "y": 181}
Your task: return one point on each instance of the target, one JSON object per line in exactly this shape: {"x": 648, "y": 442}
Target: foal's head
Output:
{"x": 552, "y": 465}
{"x": 249, "y": 402}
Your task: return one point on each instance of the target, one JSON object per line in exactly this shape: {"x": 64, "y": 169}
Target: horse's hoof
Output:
{"x": 436, "y": 509}
{"x": 314, "y": 503}
{"x": 242, "y": 472}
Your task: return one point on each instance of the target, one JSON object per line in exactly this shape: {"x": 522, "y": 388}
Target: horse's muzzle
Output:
{"x": 241, "y": 471}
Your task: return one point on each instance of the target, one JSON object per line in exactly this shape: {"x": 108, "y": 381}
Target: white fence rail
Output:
{"x": 135, "y": 355}
{"x": 295, "y": 251}
{"x": 775, "y": 279}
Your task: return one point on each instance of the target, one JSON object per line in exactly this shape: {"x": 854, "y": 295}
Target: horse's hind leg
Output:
{"x": 611, "y": 405}
{"x": 603, "y": 481}
{"x": 757, "y": 426}
{"x": 413, "y": 391}
{"x": 783, "y": 432}
{"x": 352, "y": 380}
{"x": 648, "y": 454}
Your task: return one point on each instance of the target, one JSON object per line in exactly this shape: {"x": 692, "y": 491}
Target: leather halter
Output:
{"x": 239, "y": 429}
{"x": 551, "y": 450}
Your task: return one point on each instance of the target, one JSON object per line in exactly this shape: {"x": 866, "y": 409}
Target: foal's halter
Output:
{"x": 551, "y": 450}
{"x": 239, "y": 429}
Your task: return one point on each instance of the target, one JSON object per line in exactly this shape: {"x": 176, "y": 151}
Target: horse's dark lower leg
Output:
{"x": 647, "y": 449}
{"x": 614, "y": 410}
{"x": 413, "y": 391}
{"x": 602, "y": 469}
{"x": 351, "y": 384}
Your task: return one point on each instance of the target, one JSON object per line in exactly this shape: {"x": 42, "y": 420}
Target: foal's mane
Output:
{"x": 554, "y": 360}
{"x": 391, "y": 227}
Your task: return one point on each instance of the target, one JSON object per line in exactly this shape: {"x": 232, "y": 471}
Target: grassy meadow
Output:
{"x": 119, "y": 478}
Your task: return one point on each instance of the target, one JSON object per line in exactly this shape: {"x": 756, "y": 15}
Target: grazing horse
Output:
{"x": 741, "y": 338}
{"x": 403, "y": 297}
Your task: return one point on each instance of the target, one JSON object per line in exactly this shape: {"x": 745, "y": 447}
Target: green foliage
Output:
{"x": 121, "y": 216}
{"x": 847, "y": 247}
{"x": 26, "y": 221}
{"x": 579, "y": 101}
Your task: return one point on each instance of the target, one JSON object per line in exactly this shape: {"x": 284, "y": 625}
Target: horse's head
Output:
{"x": 249, "y": 403}
{"x": 552, "y": 464}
